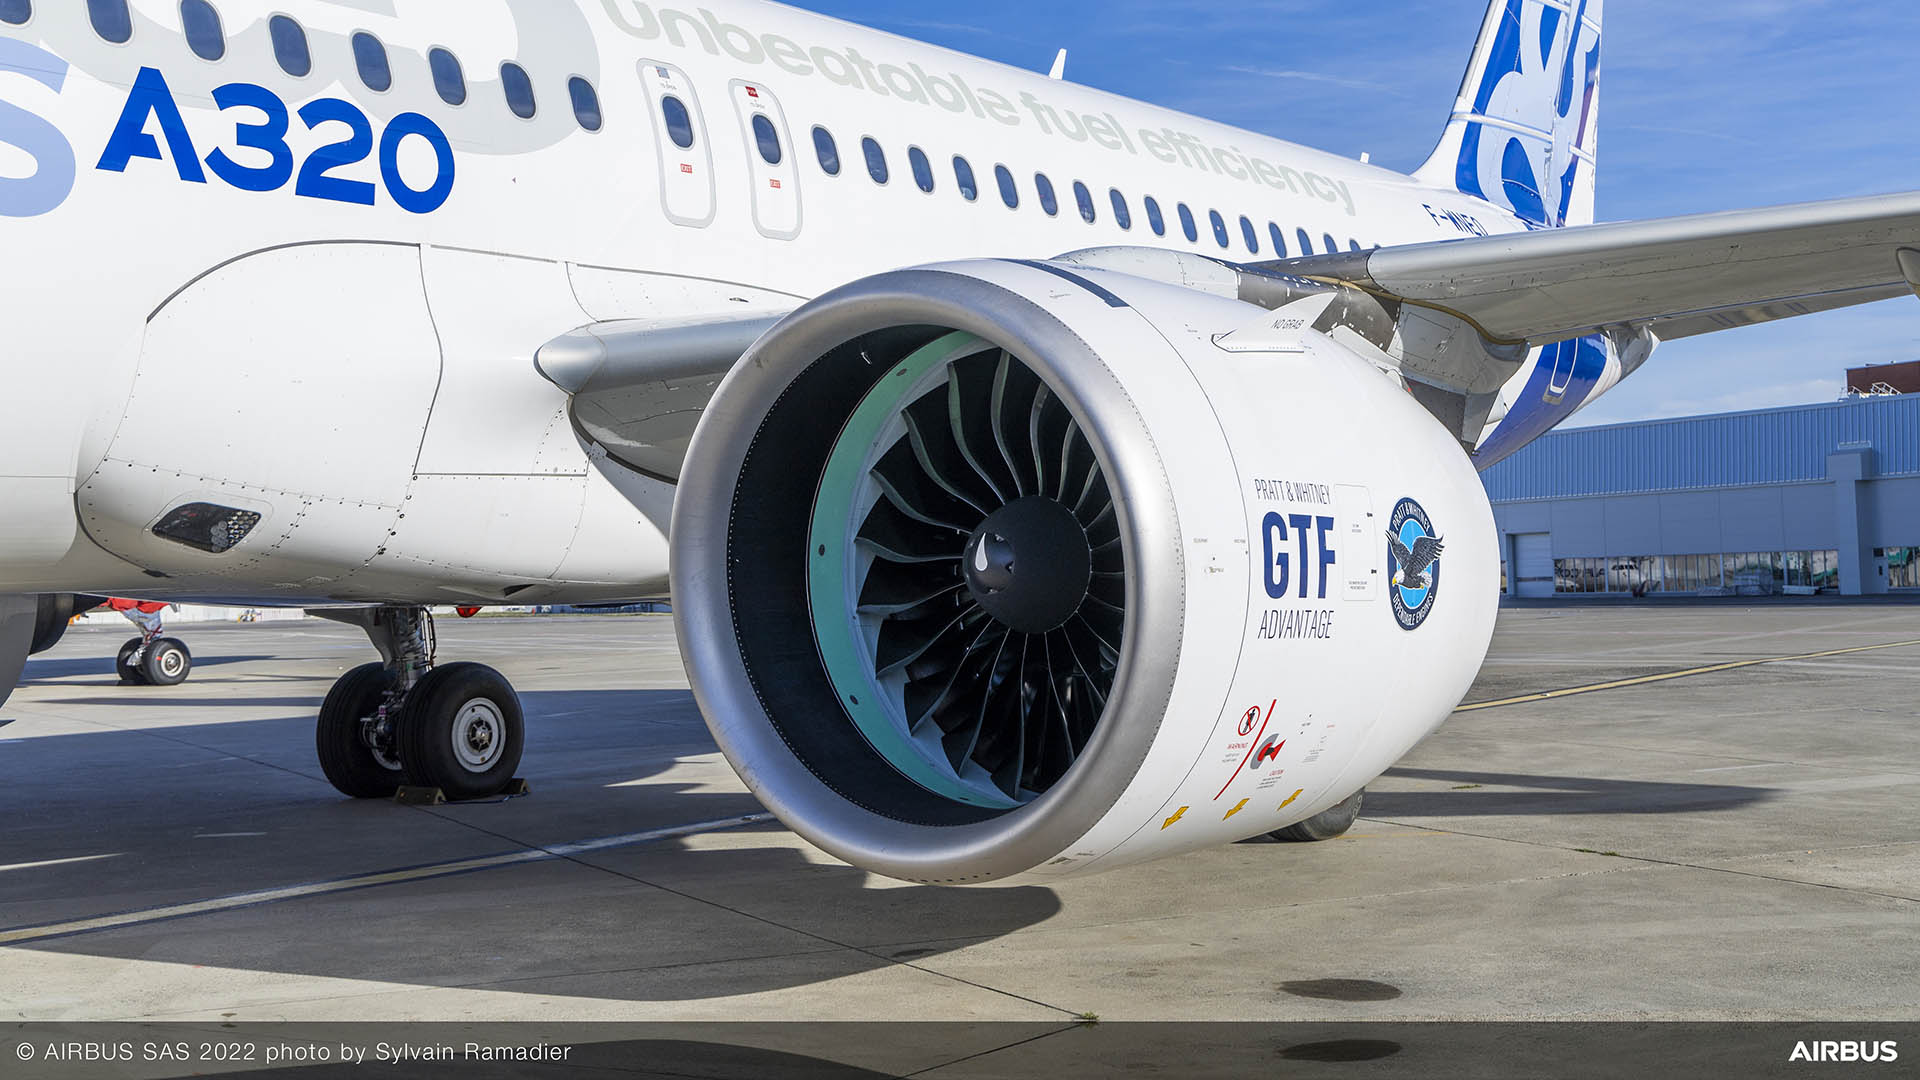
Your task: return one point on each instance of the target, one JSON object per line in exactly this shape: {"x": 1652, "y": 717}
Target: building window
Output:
{"x": 448, "y": 79}
{"x": 1121, "y": 215}
{"x": 922, "y": 168}
{"x": 1186, "y": 224}
{"x": 1084, "y": 200}
{"x": 679, "y": 121}
{"x": 202, "y": 25}
{"x": 826, "y": 150}
{"x": 16, "y": 12}
{"x": 1249, "y": 235}
{"x": 290, "y": 46}
{"x": 1044, "y": 187}
{"x": 1306, "y": 242}
{"x": 370, "y": 57}
{"x": 586, "y": 103}
{"x": 1155, "y": 221}
{"x": 876, "y": 159}
{"x": 1009, "y": 194}
{"x": 111, "y": 20}
{"x": 1279, "y": 240}
{"x": 518, "y": 89}
{"x": 963, "y": 178}
{"x": 1903, "y": 568}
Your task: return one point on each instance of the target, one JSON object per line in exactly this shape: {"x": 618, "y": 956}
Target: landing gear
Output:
{"x": 154, "y": 661}
{"x": 458, "y": 728}
{"x": 1325, "y": 825}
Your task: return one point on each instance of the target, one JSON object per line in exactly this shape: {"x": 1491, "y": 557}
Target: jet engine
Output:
{"x": 1001, "y": 568}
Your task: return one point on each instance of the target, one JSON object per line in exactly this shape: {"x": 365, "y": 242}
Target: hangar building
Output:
{"x": 1822, "y": 497}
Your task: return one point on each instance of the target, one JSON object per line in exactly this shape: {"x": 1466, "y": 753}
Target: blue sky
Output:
{"x": 1735, "y": 103}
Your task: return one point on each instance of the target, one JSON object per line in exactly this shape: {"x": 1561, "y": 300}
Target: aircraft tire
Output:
{"x": 167, "y": 663}
{"x": 462, "y": 731}
{"x": 130, "y": 673}
{"x": 1325, "y": 825}
{"x": 350, "y": 765}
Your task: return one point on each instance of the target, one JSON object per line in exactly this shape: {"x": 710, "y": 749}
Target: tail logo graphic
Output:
{"x": 1529, "y": 140}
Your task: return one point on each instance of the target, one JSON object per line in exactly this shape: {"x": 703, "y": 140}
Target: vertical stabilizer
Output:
{"x": 1523, "y": 133}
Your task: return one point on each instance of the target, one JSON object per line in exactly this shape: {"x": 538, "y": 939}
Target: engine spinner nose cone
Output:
{"x": 1029, "y": 564}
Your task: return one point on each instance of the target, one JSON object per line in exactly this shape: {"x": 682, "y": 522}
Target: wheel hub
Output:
{"x": 476, "y": 735}
{"x": 1029, "y": 564}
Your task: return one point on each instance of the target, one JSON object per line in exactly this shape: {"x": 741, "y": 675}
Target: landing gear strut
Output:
{"x": 458, "y": 727}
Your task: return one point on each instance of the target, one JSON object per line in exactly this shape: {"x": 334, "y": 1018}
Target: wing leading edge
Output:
{"x": 1674, "y": 276}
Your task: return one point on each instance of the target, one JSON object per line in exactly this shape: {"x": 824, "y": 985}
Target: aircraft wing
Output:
{"x": 1675, "y": 276}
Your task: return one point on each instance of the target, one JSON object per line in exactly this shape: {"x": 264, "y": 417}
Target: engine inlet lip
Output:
{"x": 955, "y": 298}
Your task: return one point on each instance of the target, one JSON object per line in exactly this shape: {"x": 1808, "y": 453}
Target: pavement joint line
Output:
{"x": 1649, "y": 860}
{"x": 994, "y": 1050}
{"x": 1658, "y": 750}
{"x": 849, "y": 946}
{"x": 25, "y": 934}
{"x": 1642, "y": 680}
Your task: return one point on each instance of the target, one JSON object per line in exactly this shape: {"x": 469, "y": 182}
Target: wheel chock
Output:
{"x": 419, "y": 796}
{"x": 517, "y": 787}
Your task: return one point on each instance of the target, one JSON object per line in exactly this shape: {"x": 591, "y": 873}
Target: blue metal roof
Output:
{"x": 1768, "y": 446}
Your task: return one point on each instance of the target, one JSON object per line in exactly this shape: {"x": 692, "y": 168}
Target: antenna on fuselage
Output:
{"x": 1059, "y": 65}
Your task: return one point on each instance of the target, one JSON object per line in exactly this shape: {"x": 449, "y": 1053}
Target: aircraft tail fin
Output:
{"x": 1523, "y": 133}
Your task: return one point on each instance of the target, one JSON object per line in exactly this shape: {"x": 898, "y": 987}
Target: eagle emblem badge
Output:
{"x": 1413, "y": 564}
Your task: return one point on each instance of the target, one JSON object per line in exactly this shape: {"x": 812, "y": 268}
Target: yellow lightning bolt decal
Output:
{"x": 1177, "y": 815}
{"x": 1290, "y": 798}
{"x": 1235, "y": 810}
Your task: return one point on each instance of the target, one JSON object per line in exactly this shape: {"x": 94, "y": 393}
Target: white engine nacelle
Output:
{"x": 994, "y": 568}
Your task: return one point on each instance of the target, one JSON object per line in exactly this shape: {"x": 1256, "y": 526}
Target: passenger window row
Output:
{"x": 113, "y": 21}
{"x": 828, "y": 152}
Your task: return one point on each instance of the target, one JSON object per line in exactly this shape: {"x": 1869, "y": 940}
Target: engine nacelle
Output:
{"x": 997, "y": 567}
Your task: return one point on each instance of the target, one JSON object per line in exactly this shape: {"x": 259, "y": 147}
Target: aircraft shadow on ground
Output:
{"x": 718, "y": 915}
{"x": 1550, "y": 795}
{"x": 71, "y": 667}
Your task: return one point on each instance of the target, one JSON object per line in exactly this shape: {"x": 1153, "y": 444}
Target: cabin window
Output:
{"x": 1279, "y": 240}
{"x": 767, "y": 139}
{"x": 586, "y": 103}
{"x": 1009, "y": 194}
{"x": 16, "y": 12}
{"x": 518, "y": 88}
{"x": 963, "y": 177}
{"x": 1247, "y": 233}
{"x": 370, "y": 57}
{"x": 1353, "y": 245}
{"x": 111, "y": 20}
{"x": 202, "y": 25}
{"x": 1155, "y": 220}
{"x": 1187, "y": 226}
{"x": 1045, "y": 188}
{"x": 922, "y": 168}
{"x": 679, "y": 122}
{"x": 1332, "y": 245}
{"x": 1121, "y": 215}
{"x": 1084, "y": 200}
{"x": 876, "y": 159}
{"x": 1219, "y": 227}
{"x": 826, "y": 150}
{"x": 290, "y": 46}
{"x": 448, "y": 78}
{"x": 1306, "y": 242}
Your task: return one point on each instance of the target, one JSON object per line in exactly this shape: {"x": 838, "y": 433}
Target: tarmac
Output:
{"x": 1740, "y": 842}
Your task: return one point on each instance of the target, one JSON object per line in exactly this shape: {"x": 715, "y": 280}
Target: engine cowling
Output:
{"x": 995, "y": 568}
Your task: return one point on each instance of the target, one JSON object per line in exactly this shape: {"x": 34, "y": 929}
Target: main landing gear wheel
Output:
{"x": 462, "y": 731}
{"x": 129, "y": 671}
{"x": 1325, "y": 825}
{"x": 167, "y": 663}
{"x": 356, "y": 752}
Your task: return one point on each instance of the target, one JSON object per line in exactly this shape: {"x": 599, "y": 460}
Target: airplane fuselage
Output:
{"x": 318, "y": 302}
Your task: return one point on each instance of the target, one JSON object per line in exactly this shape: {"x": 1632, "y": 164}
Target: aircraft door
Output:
{"x": 772, "y": 163}
{"x": 680, "y": 134}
